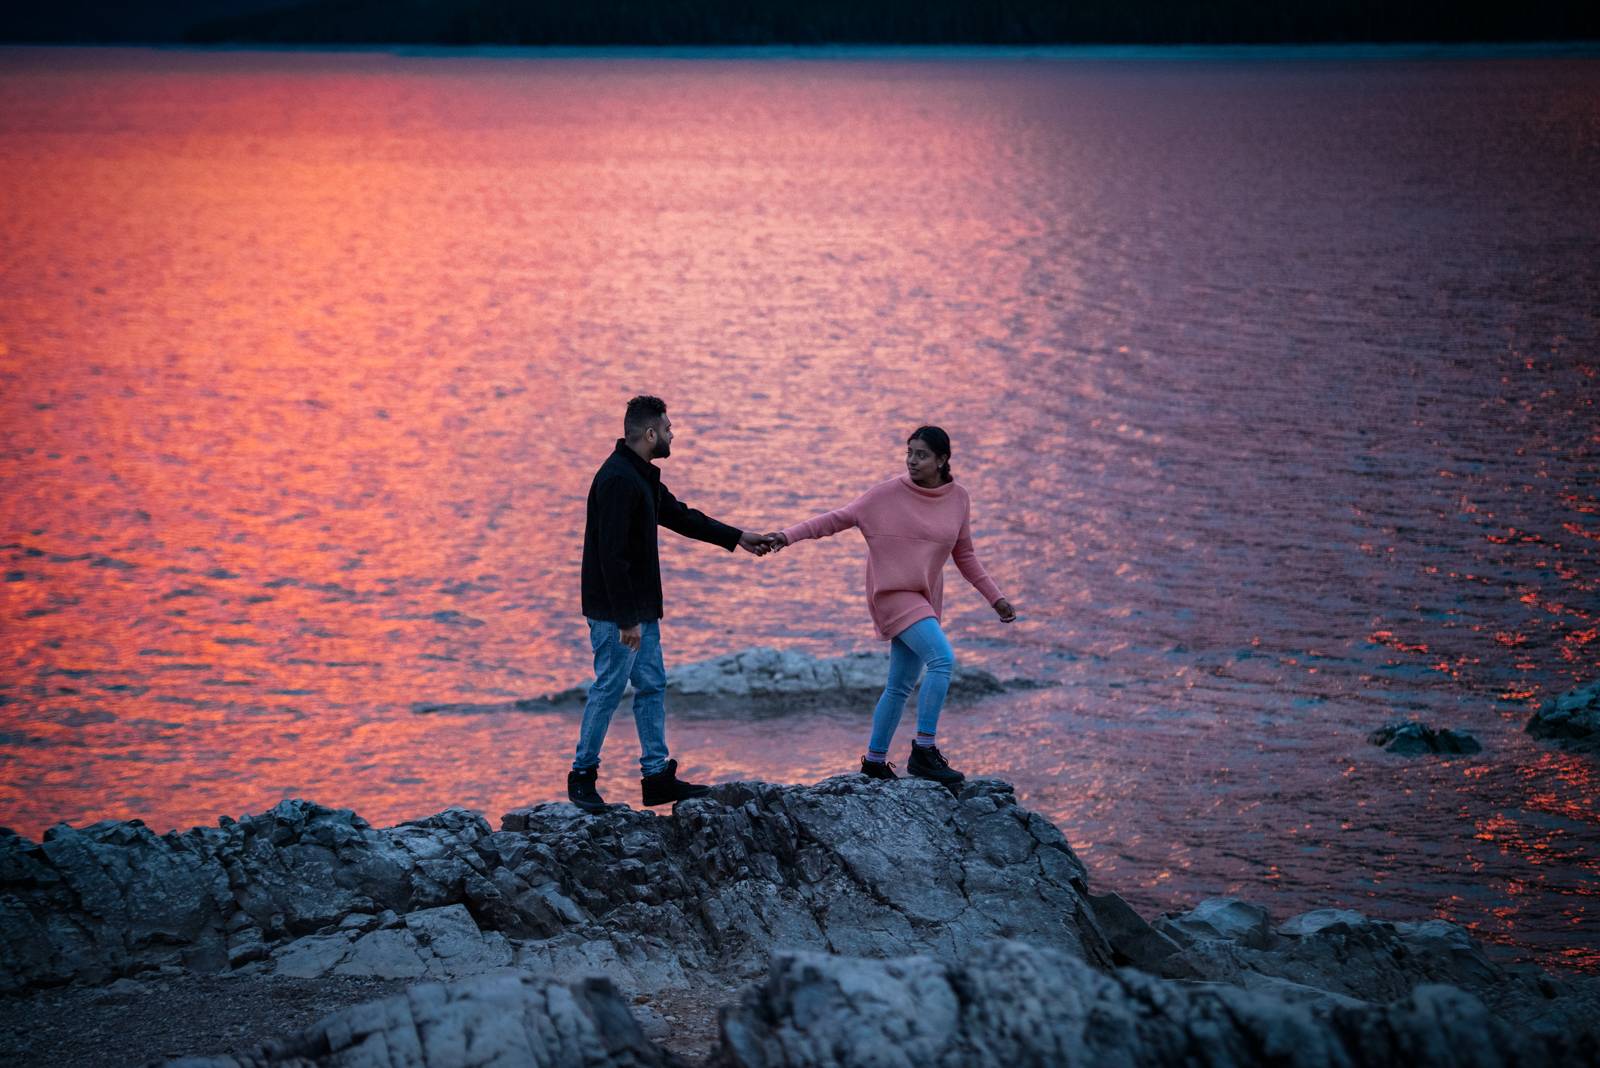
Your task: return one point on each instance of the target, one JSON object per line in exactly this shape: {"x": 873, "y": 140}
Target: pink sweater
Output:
{"x": 911, "y": 531}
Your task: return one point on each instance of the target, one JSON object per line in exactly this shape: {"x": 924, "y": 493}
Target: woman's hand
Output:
{"x": 1003, "y": 609}
{"x": 760, "y": 544}
{"x": 776, "y": 540}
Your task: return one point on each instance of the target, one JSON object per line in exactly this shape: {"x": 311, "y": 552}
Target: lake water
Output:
{"x": 1273, "y": 381}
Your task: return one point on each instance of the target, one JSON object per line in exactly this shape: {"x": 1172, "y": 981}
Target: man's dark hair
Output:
{"x": 642, "y": 413}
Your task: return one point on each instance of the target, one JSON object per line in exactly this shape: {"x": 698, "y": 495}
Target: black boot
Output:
{"x": 877, "y": 769}
{"x": 665, "y": 788}
{"x": 581, "y": 791}
{"x": 926, "y": 762}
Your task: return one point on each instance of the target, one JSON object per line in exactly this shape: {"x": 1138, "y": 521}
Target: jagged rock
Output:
{"x": 436, "y": 943}
{"x": 115, "y": 899}
{"x": 502, "y": 1019}
{"x": 762, "y": 681}
{"x": 1410, "y": 738}
{"x": 1133, "y": 941}
{"x": 1219, "y": 917}
{"x": 1329, "y": 955}
{"x": 1572, "y": 720}
{"x": 847, "y": 865}
{"x": 1016, "y": 1004}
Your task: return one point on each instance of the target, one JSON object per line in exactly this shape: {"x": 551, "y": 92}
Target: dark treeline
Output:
{"x": 661, "y": 22}
{"x": 750, "y": 22}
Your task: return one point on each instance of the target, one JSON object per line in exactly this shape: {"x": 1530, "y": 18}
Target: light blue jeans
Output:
{"x": 615, "y": 665}
{"x": 921, "y": 645}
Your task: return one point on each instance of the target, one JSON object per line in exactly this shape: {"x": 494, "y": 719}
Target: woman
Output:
{"x": 913, "y": 524}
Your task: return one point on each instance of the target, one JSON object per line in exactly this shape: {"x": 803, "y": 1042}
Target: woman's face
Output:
{"x": 922, "y": 463}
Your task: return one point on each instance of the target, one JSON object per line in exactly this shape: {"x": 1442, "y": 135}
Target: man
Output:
{"x": 623, "y": 604}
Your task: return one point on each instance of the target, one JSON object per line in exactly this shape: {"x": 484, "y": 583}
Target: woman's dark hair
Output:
{"x": 937, "y": 440}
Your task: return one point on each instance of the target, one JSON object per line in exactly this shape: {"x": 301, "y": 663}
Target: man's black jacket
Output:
{"x": 621, "y": 565}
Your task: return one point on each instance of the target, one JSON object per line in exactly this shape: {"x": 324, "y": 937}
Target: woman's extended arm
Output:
{"x": 966, "y": 559}
{"x": 823, "y": 526}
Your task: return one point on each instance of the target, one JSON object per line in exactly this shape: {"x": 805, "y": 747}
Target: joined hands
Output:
{"x": 774, "y": 541}
{"x": 761, "y": 544}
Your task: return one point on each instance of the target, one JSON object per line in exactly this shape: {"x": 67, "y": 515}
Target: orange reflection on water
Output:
{"x": 306, "y": 361}
{"x": 316, "y": 379}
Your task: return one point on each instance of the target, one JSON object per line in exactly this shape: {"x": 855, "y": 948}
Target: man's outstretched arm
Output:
{"x": 681, "y": 519}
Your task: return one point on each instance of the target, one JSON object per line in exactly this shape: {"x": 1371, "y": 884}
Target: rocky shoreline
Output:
{"x": 829, "y": 923}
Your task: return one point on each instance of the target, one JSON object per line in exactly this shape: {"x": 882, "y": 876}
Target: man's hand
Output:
{"x": 1003, "y": 609}
{"x": 630, "y": 637}
{"x": 760, "y": 544}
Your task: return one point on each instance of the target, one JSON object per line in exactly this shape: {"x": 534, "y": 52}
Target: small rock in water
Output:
{"x": 1571, "y": 720}
{"x": 1410, "y": 738}
{"x": 758, "y": 680}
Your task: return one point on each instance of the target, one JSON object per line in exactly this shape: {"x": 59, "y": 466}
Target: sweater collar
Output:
{"x": 648, "y": 470}
{"x": 924, "y": 491}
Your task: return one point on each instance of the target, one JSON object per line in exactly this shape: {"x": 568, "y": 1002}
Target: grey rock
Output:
{"x": 436, "y": 943}
{"x": 453, "y": 946}
{"x": 1319, "y": 921}
{"x": 92, "y": 903}
{"x": 382, "y": 954}
{"x": 245, "y": 946}
{"x": 766, "y": 672}
{"x": 1219, "y": 917}
{"x": 755, "y": 867}
{"x": 314, "y": 955}
{"x": 1345, "y": 955}
{"x": 1571, "y": 720}
{"x": 1016, "y": 1004}
{"x": 847, "y": 865}
{"x": 1410, "y": 738}
{"x": 502, "y": 1019}
{"x": 655, "y": 1026}
{"x": 1133, "y": 941}
{"x": 761, "y": 681}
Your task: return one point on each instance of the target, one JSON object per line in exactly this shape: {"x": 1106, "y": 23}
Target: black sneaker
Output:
{"x": 877, "y": 769}
{"x": 581, "y": 791}
{"x": 665, "y": 788}
{"x": 926, "y": 762}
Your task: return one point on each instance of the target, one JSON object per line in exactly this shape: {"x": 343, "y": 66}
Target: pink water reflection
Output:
{"x": 306, "y": 361}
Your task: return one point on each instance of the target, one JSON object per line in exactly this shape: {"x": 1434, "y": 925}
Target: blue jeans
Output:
{"x": 615, "y": 665}
{"x": 921, "y": 645}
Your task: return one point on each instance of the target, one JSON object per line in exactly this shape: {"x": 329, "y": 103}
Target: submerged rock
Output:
{"x": 1410, "y": 738}
{"x": 763, "y": 680}
{"x": 764, "y": 672}
{"x": 1010, "y": 1003}
{"x": 1571, "y": 720}
{"x": 502, "y": 1019}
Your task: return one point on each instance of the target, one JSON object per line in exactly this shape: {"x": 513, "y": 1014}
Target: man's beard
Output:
{"x": 661, "y": 451}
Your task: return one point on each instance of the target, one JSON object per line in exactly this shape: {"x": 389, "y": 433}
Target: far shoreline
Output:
{"x": 1093, "y": 53}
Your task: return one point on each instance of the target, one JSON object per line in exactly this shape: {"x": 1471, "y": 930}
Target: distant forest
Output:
{"x": 804, "y": 22}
